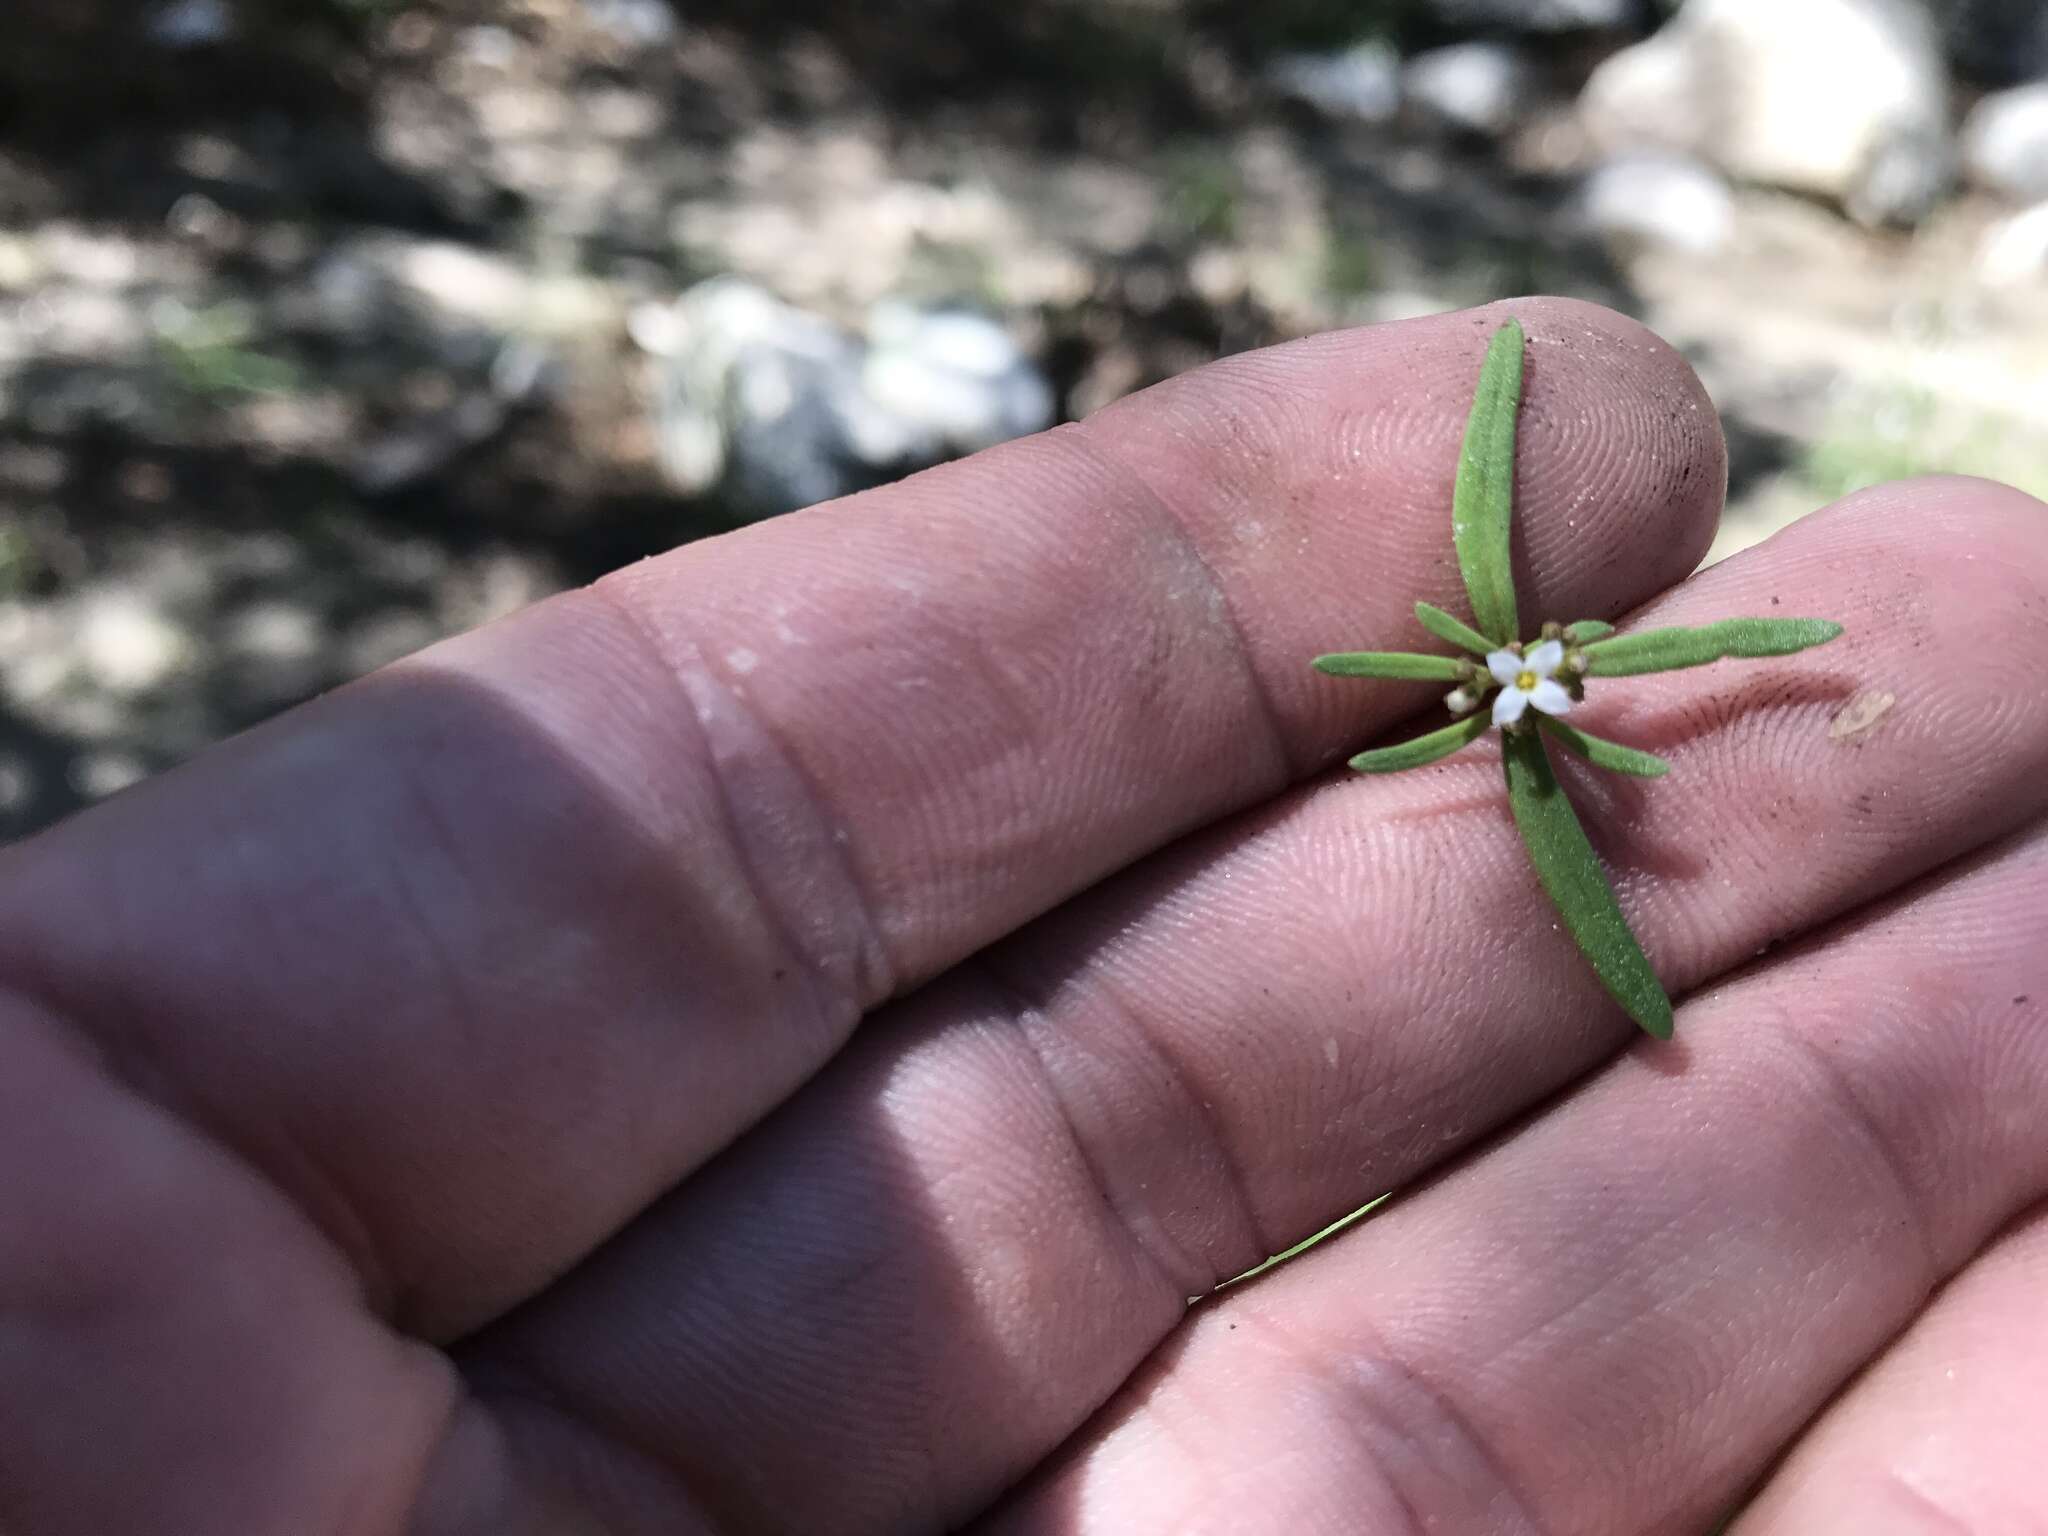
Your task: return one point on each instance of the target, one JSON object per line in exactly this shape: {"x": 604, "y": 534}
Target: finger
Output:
{"x": 178, "y": 1352}
{"x": 966, "y": 1235}
{"x": 547, "y": 915}
{"x": 1615, "y": 1318}
{"x": 1945, "y": 1431}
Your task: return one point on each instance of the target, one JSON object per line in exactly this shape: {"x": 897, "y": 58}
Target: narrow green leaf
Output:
{"x": 1404, "y": 665}
{"x": 1482, "y": 506}
{"x": 1663, "y": 650}
{"x": 1339, "y": 1225}
{"x": 1602, "y": 753}
{"x": 1424, "y": 750}
{"x": 1586, "y": 631}
{"x": 1570, "y": 872}
{"x": 1446, "y": 626}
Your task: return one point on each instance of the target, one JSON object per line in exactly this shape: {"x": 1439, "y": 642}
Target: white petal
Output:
{"x": 1509, "y": 705}
{"x": 1505, "y": 666}
{"x": 1551, "y": 698}
{"x": 1545, "y": 659}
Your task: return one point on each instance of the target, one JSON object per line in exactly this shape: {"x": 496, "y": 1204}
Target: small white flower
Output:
{"x": 1526, "y": 680}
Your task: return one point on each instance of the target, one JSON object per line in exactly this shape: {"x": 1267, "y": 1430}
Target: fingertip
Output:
{"x": 1315, "y": 479}
{"x": 1621, "y": 459}
{"x": 1926, "y": 510}
{"x": 1973, "y": 540}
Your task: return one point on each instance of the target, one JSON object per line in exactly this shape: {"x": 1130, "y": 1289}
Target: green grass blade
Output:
{"x": 1570, "y": 872}
{"x": 1482, "y": 507}
{"x": 1401, "y": 665}
{"x": 1339, "y": 1225}
{"x": 1446, "y": 626}
{"x": 1424, "y": 750}
{"x": 1586, "y": 631}
{"x": 1663, "y": 650}
{"x": 1602, "y": 753}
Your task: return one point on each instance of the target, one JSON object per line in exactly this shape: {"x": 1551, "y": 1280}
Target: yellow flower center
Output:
{"x": 1526, "y": 681}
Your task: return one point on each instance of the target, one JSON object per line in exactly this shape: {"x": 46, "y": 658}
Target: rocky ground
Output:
{"x": 328, "y": 330}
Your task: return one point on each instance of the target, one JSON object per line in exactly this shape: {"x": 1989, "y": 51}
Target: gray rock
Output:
{"x": 1659, "y": 201}
{"x": 1997, "y": 42}
{"x": 1478, "y": 87}
{"x": 1844, "y": 98}
{"x": 2005, "y": 143}
{"x": 421, "y": 449}
{"x": 191, "y": 24}
{"x": 344, "y": 294}
{"x": 1361, "y": 84}
{"x": 518, "y": 373}
{"x": 1536, "y": 16}
{"x": 635, "y": 23}
{"x": 1906, "y": 177}
{"x": 772, "y": 408}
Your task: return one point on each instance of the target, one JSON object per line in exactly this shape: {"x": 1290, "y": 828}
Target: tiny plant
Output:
{"x": 1538, "y": 683}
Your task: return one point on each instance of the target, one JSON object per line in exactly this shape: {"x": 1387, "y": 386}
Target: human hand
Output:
{"x": 771, "y": 1042}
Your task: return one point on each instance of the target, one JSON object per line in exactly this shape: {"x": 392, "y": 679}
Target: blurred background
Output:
{"x": 328, "y": 327}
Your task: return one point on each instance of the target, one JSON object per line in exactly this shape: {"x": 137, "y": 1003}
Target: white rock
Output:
{"x": 2005, "y": 142}
{"x": 276, "y": 631}
{"x": 89, "y": 259}
{"x": 1846, "y": 98}
{"x": 84, "y": 323}
{"x": 734, "y": 361}
{"x": 95, "y": 775}
{"x": 128, "y": 646}
{"x": 1659, "y": 201}
{"x": 20, "y": 266}
{"x": 1361, "y": 84}
{"x": 487, "y": 47}
{"x": 2015, "y": 250}
{"x": 954, "y": 376}
{"x": 774, "y": 408}
{"x": 956, "y": 340}
{"x": 638, "y": 23}
{"x": 462, "y": 281}
{"x": 1479, "y": 87}
{"x": 1536, "y": 15}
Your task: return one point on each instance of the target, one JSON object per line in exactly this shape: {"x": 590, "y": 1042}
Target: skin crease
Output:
{"x": 442, "y": 1111}
{"x": 1932, "y": 1436}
